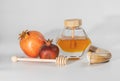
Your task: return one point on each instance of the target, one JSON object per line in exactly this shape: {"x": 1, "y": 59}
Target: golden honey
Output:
{"x": 73, "y": 45}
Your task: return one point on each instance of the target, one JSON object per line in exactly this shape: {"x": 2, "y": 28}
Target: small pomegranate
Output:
{"x": 49, "y": 50}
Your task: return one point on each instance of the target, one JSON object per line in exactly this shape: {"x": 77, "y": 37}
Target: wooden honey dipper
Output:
{"x": 60, "y": 60}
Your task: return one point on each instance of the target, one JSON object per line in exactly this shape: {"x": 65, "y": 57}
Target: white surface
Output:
{"x": 101, "y": 20}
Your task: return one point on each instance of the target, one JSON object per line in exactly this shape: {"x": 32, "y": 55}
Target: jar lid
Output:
{"x": 72, "y": 23}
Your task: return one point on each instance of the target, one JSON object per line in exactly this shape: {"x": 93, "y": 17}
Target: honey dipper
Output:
{"x": 60, "y": 60}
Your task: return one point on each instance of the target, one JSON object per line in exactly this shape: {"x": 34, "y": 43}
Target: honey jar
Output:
{"x": 73, "y": 40}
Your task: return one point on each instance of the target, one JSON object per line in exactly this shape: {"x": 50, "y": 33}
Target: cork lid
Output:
{"x": 72, "y": 23}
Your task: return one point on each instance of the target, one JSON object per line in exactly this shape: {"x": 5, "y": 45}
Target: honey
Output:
{"x": 73, "y": 45}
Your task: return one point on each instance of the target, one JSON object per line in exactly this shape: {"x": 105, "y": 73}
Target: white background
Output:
{"x": 101, "y": 21}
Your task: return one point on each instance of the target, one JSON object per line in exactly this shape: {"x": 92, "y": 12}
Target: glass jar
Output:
{"x": 73, "y": 40}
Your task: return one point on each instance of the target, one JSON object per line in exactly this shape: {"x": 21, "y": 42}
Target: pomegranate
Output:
{"x": 49, "y": 50}
{"x": 30, "y": 42}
